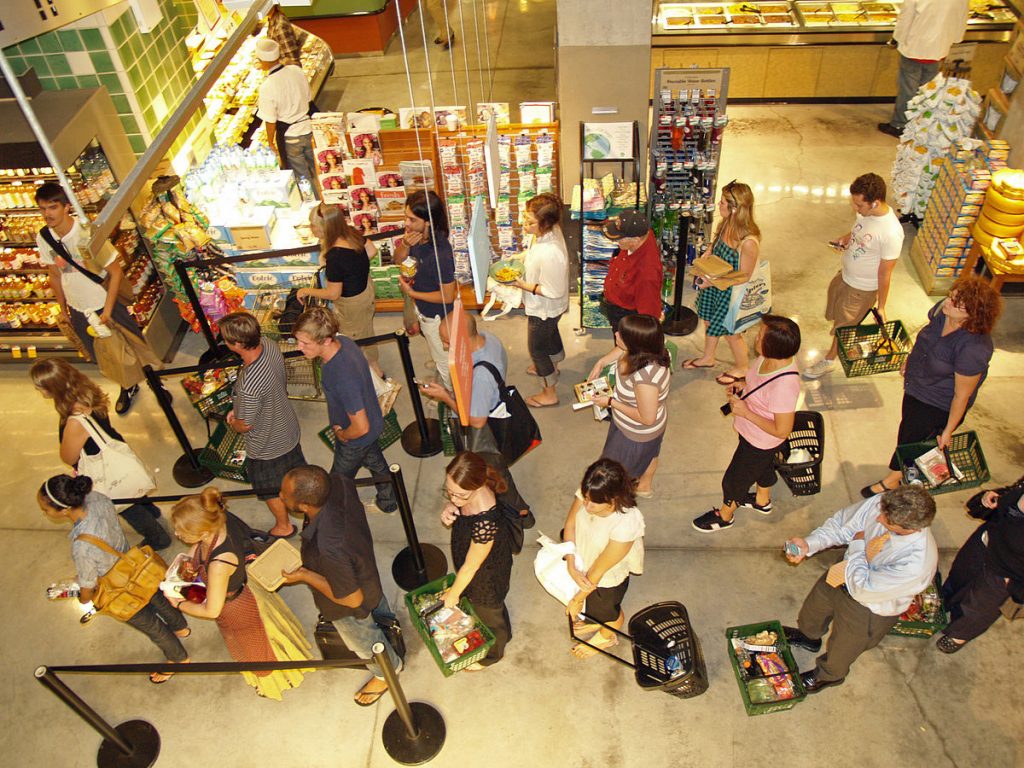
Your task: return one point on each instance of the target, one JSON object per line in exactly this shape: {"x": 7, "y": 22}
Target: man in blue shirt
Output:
{"x": 352, "y": 404}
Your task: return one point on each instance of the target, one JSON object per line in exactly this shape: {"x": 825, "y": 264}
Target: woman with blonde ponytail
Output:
{"x": 256, "y": 625}
{"x": 737, "y": 241}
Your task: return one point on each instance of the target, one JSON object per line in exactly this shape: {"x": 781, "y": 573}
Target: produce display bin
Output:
{"x": 784, "y": 651}
{"x": 448, "y": 668}
{"x": 852, "y": 337}
{"x": 219, "y": 454}
{"x": 964, "y": 452}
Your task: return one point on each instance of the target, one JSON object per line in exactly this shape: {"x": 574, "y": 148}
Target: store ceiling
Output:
{"x": 22, "y": 19}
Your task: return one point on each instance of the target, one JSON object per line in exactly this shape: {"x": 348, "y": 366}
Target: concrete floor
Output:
{"x": 905, "y": 704}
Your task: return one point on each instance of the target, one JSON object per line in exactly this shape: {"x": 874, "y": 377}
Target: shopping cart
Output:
{"x": 666, "y": 652}
{"x": 302, "y": 375}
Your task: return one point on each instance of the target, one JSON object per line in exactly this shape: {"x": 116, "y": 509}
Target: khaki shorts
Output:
{"x": 845, "y": 305}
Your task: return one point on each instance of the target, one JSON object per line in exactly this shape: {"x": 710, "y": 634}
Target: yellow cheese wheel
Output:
{"x": 1001, "y": 217}
{"x": 999, "y": 230}
{"x": 1002, "y": 202}
{"x": 1009, "y": 182}
{"x": 981, "y": 237}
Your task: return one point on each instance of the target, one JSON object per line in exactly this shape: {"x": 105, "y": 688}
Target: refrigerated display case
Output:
{"x": 88, "y": 140}
{"x": 811, "y": 49}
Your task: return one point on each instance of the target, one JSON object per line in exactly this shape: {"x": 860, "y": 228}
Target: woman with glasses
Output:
{"x": 545, "y": 286}
{"x": 482, "y": 545}
{"x": 945, "y": 369}
{"x": 346, "y": 255}
{"x": 738, "y": 242}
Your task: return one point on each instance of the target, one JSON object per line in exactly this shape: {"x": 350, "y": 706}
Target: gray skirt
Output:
{"x": 636, "y": 457}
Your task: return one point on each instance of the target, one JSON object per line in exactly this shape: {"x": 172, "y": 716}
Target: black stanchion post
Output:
{"x": 132, "y": 744}
{"x": 414, "y": 733}
{"x": 418, "y": 563}
{"x": 190, "y": 292}
{"x": 680, "y": 320}
{"x": 188, "y": 472}
{"x": 423, "y": 438}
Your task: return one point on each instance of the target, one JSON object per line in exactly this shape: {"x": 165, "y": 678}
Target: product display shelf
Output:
{"x": 29, "y": 314}
{"x": 687, "y": 129}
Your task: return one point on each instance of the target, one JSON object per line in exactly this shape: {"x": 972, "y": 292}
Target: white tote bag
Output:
{"x": 551, "y": 571}
{"x": 750, "y": 300}
{"x": 116, "y": 471}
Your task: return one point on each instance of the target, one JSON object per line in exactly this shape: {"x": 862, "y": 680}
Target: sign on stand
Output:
{"x": 460, "y": 362}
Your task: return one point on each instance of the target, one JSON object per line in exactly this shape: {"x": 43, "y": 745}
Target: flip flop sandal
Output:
{"x": 726, "y": 379}
{"x": 691, "y": 364}
{"x": 375, "y": 697}
{"x": 275, "y": 537}
{"x": 166, "y": 676}
{"x": 587, "y": 651}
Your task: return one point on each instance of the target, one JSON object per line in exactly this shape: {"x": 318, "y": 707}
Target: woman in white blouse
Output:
{"x": 545, "y": 286}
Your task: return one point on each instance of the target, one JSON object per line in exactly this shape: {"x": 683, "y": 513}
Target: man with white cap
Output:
{"x": 284, "y": 106}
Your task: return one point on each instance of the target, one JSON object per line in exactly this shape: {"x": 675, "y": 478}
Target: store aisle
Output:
{"x": 540, "y": 706}
{"x": 503, "y": 51}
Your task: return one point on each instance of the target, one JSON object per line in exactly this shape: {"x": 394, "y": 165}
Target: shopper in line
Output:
{"x": 737, "y": 241}
{"x": 78, "y": 400}
{"x": 633, "y": 283}
{"x": 352, "y": 405}
{"x": 925, "y": 31}
{"x": 638, "y": 404}
{"x": 433, "y": 288}
{"x": 763, "y": 412}
{"x": 77, "y": 284}
{"x": 482, "y": 545}
{"x": 256, "y": 625}
{"x": 988, "y": 569}
{"x": 263, "y": 414}
{"x": 284, "y": 107}
{"x": 870, "y": 250}
{"x": 443, "y": 16}
{"x": 63, "y": 498}
{"x": 890, "y": 558}
{"x": 545, "y": 286}
{"x": 345, "y": 255}
{"x": 608, "y": 531}
{"x": 945, "y": 369}
{"x": 339, "y": 567}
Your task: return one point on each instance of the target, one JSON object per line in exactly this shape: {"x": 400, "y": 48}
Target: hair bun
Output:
{"x": 81, "y": 485}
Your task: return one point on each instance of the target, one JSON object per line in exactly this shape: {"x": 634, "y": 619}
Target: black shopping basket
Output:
{"x": 666, "y": 652}
{"x": 803, "y": 478}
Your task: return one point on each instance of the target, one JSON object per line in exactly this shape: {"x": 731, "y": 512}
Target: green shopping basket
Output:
{"x": 964, "y": 457}
{"x": 224, "y": 454}
{"x": 448, "y": 668}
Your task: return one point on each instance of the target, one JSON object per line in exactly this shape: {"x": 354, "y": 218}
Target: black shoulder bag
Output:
{"x": 518, "y": 434}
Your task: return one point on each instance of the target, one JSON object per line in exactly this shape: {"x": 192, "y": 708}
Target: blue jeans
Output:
{"x": 348, "y": 460}
{"x": 159, "y": 621}
{"x": 360, "y": 635}
{"x": 913, "y": 74}
{"x": 299, "y": 152}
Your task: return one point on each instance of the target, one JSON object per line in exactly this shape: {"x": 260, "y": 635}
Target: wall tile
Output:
{"x": 113, "y": 83}
{"x": 138, "y": 144}
{"x": 80, "y": 63}
{"x": 88, "y": 81}
{"x": 48, "y": 83}
{"x": 93, "y": 40}
{"x": 121, "y": 104}
{"x": 29, "y": 46}
{"x": 39, "y": 64}
{"x": 67, "y": 83}
{"x": 102, "y": 61}
{"x": 70, "y": 40}
{"x": 59, "y": 65}
{"x": 135, "y": 45}
{"x": 49, "y": 43}
{"x": 135, "y": 76}
{"x": 17, "y": 62}
{"x": 130, "y": 124}
{"x": 117, "y": 32}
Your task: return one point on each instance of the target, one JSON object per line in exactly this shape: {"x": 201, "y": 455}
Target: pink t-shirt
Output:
{"x": 777, "y": 397}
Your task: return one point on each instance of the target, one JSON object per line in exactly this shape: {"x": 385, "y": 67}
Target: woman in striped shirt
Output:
{"x": 638, "y": 404}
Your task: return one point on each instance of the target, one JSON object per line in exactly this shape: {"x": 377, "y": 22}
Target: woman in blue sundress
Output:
{"x": 738, "y": 242}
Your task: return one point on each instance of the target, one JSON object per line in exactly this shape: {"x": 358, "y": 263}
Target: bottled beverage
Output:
{"x": 96, "y": 328}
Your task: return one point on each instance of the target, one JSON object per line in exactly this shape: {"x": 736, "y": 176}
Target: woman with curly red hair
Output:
{"x": 945, "y": 369}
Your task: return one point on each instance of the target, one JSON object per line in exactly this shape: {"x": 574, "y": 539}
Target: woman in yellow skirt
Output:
{"x": 256, "y": 625}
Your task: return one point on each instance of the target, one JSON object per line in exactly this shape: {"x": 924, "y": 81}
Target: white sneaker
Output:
{"x": 819, "y": 369}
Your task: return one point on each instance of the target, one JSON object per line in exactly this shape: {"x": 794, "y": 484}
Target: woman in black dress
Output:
{"x": 481, "y": 545}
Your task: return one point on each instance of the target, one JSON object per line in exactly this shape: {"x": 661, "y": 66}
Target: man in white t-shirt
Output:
{"x": 284, "y": 109}
{"x": 924, "y": 33}
{"x": 870, "y": 251}
{"x": 82, "y": 298}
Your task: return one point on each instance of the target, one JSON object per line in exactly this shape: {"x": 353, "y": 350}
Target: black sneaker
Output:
{"x": 710, "y": 522}
{"x": 124, "y": 400}
{"x": 751, "y": 503}
{"x": 890, "y": 129}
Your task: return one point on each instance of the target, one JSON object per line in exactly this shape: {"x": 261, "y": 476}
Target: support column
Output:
{"x": 604, "y": 60}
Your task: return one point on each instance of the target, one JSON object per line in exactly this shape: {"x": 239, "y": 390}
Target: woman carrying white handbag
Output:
{"x": 90, "y": 445}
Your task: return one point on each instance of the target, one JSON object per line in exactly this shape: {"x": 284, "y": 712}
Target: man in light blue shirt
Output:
{"x": 890, "y": 558}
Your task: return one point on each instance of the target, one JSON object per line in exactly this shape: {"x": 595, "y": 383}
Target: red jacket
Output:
{"x": 634, "y": 279}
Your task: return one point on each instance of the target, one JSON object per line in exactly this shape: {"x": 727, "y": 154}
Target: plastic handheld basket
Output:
{"x": 448, "y": 668}
{"x": 964, "y": 454}
{"x": 764, "y": 708}
{"x": 868, "y": 349}
{"x": 222, "y": 453}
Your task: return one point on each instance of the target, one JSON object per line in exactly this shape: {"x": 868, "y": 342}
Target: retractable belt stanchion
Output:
{"x": 423, "y": 438}
{"x": 188, "y": 472}
{"x": 418, "y": 563}
{"x": 414, "y": 733}
{"x": 132, "y": 744}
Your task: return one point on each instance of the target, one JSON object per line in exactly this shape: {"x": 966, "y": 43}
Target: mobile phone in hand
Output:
{"x": 792, "y": 549}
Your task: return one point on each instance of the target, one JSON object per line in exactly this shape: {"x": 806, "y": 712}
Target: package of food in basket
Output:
{"x": 936, "y": 470}
{"x": 454, "y": 632}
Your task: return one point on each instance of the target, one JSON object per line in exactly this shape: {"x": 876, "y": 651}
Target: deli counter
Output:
{"x": 808, "y": 50}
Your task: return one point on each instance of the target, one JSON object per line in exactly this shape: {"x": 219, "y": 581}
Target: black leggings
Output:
{"x": 749, "y": 465}
{"x": 920, "y": 422}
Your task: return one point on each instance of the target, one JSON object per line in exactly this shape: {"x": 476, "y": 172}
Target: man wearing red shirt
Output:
{"x": 633, "y": 284}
